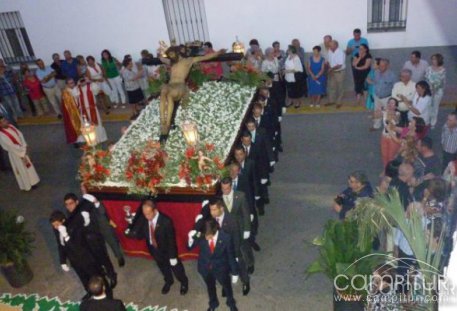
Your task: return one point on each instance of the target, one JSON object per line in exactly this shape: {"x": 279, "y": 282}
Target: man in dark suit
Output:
{"x": 241, "y": 183}
{"x": 263, "y": 120}
{"x": 99, "y": 300}
{"x": 82, "y": 210}
{"x": 249, "y": 176}
{"x": 214, "y": 209}
{"x": 235, "y": 204}
{"x": 159, "y": 233}
{"x": 264, "y": 162}
{"x": 215, "y": 262}
{"x": 98, "y": 213}
{"x": 260, "y": 138}
{"x": 72, "y": 246}
{"x": 229, "y": 225}
{"x": 272, "y": 108}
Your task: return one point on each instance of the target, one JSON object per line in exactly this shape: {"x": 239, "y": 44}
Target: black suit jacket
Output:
{"x": 76, "y": 249}
{"x": 230, "y": 226}
{"x": 249, "y": 173}
{"x": 222, "y": 261}
{"x": 105, "y": 304}
{"x": 164, "y": 235}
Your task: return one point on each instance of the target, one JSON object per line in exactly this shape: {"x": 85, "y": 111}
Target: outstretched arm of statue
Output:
{"x": 198, "y": 59}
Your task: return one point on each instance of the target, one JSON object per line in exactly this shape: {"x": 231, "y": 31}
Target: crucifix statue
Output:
{"x": 176, "y": 90}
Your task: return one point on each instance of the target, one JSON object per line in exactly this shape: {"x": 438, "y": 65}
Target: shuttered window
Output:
{"x": 15, "y": 45}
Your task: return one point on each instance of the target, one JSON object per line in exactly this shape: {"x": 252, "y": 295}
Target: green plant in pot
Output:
{"x": 340, "y": 258}
{"x": 16, "y": 245}
{"x": 386, "y": 212}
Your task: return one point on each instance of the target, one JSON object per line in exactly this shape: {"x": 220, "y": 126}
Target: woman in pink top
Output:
{"x": 33, "y": 85}
{"x": 213, "y": 69}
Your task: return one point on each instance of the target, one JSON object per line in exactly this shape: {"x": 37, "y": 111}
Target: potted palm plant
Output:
{"x": 341, "y": 258}
{"x": 385, "y": 212}
{"x": 15, "y": 246}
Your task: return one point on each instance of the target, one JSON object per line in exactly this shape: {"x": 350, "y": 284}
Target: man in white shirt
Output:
{"x": 325, "y": 46}
{"x": 417, "y": 66}
{"x": 336, "y": 63}
{"x": 404, "y": 91}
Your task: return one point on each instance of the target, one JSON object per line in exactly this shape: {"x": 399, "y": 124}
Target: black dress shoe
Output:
{"x": 121, "y": 262}
{"x": 246, "y": 289}
{"x": 251, "y": 270}
{"x": 184, "y": 289}
{"x": 166, "y": 288}
{"x": 255, "y": 246}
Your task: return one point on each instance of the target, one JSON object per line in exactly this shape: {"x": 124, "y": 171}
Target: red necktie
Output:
{"x": 152, "y": 236}
{"x": 211, "y": 246}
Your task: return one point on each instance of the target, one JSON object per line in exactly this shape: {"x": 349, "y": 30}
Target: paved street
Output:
{"x": 319, "y": 152}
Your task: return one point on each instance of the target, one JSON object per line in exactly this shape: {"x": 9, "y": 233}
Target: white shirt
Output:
{"x": 418, "y": 70}
{"x": 336, "y": 58}
{"x": 228, "y": 200}
{"x": 220, "y": 220}
{"x": 407, "y": 90}
{"x": 95, "y": 73}
{"x": 247, "y": 149}
{"x": 271, "y": 66}
{"x": 154, "y": 223}
{"x": 235, "y": 183}
{"x": 253, "y": 135}
{"x": 423, "y": 104}
{"x": 295, "y": 64}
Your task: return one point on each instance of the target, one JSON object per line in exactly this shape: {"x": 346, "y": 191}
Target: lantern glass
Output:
{"x": 190, "y": 132}
{"x": 89, "y": 133}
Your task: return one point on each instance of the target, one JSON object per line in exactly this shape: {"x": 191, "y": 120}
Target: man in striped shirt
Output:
{"x": 449, "y": 139}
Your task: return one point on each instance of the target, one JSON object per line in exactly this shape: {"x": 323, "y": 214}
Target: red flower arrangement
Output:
{"x": 94, "y": 167}
{"x": 144, "y": 168}
{"x": 200, "y": 166}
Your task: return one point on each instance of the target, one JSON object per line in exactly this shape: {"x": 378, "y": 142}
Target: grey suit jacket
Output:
{"x": 240, "y": 211}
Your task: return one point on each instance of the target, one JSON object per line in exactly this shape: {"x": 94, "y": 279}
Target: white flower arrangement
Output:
{"x": 217, "y": 108}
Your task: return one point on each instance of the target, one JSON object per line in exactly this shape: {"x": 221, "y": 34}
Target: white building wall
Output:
{"x": 128, "y": 26}
{"x": 429, "y": 22}
{"x": 88, "y": 26}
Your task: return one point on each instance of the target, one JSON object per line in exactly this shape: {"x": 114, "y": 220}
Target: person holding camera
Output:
{"x": 358, "y": 187}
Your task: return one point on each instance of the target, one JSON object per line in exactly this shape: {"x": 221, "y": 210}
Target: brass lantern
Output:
{"x": 89, "y": 133}
{"x": 190, "y": 132}
{"x": 238, "y": 47}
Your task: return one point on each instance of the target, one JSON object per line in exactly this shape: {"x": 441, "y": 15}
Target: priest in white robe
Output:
{"x": 84, "y": 94}
{"x": 13, "y": 142}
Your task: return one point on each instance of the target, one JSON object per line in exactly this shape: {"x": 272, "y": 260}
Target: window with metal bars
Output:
{"x": 186, "y": 20}
{"x": 387, "y": 15}
{"x": 15, "y": 46}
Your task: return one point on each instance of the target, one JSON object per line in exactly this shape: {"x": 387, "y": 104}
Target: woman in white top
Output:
{"x": 94, "y": 73}
{"x": 295, "y": 78}
{"x": 421, "y": 104}
{"x": 435, "y": 75}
